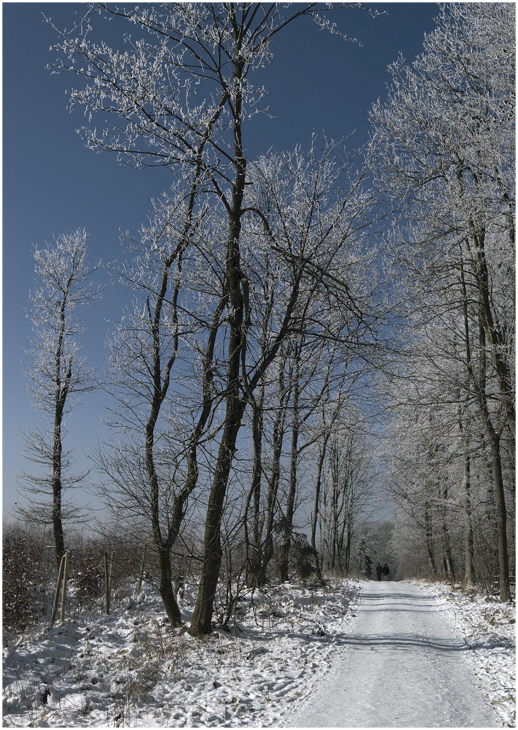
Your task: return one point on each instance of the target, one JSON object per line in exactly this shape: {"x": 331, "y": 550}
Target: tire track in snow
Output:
{"x": 399, "y": 665}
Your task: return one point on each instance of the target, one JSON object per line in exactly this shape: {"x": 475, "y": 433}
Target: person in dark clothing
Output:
{"x": 379, "y": 571}
{"x": 386, "y": 572}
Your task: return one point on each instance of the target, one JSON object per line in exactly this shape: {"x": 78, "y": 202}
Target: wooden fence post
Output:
{"x": 112, "y": 559}
{"x": 139, "y": 586}
{"x": 107, "y": 582}
{"x": 64, "y": 592}
{"x": 56, "y": 594}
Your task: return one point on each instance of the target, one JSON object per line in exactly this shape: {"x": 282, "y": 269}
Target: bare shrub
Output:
{"x": 25, "y": 566}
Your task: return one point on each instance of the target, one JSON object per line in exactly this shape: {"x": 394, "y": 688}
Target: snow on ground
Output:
{"x": 130, "y": 669}
{"x": 489, "y": 629}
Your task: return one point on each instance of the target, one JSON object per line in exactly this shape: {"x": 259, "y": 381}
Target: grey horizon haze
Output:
{"x": 52, "y": 184}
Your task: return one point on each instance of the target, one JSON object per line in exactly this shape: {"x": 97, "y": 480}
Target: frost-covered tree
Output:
{"x": 444, "y": 142}
{"x": 57, "y": 376}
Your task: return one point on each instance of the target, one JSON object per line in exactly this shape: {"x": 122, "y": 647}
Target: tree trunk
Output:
{"x": 57, "y": 523}
{"x": 447, "y": 557}
{"x": 201, "y": 623}
{"x": 166, "y": 587}
{"x": 202, "y": 616}
{"x": 469, "y": 548}
{"x": 501, "y": 520}
{"x": 469, "y": 551}
{"x": 283, "y": 566}
{"x": 316, "y": 512}
{"x": 271, "y": 500}
{"x": 347, "y": 550}
{"x": 163, "y": 547}
{"x": 61, "y": 393}
{"x": 255, "y": 545}
{"x": 349, "y": 526}
{"x": 429, "y": 539}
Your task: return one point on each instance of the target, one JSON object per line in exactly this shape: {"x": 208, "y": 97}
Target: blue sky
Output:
{"x": 52, "y": 184}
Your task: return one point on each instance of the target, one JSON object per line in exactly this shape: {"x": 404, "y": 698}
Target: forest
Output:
{"x": 314, "y": 369}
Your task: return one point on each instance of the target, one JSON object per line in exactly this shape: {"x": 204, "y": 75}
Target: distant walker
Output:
{"x": 386, "y": 572}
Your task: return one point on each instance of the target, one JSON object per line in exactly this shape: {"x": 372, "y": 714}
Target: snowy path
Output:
{"x": 399, "y": 666}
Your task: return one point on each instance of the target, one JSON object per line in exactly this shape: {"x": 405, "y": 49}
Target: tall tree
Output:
{"x": 57, "y": 375}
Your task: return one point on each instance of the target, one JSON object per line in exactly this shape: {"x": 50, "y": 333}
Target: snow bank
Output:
{"x": 489, "y": 629}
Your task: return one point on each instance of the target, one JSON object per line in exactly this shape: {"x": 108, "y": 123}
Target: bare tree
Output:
{"x": 57, "y": 376}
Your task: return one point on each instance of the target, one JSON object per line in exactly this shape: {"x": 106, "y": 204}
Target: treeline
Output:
{"x": 262, "y": 319}
{"x": 446, "y": 139}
